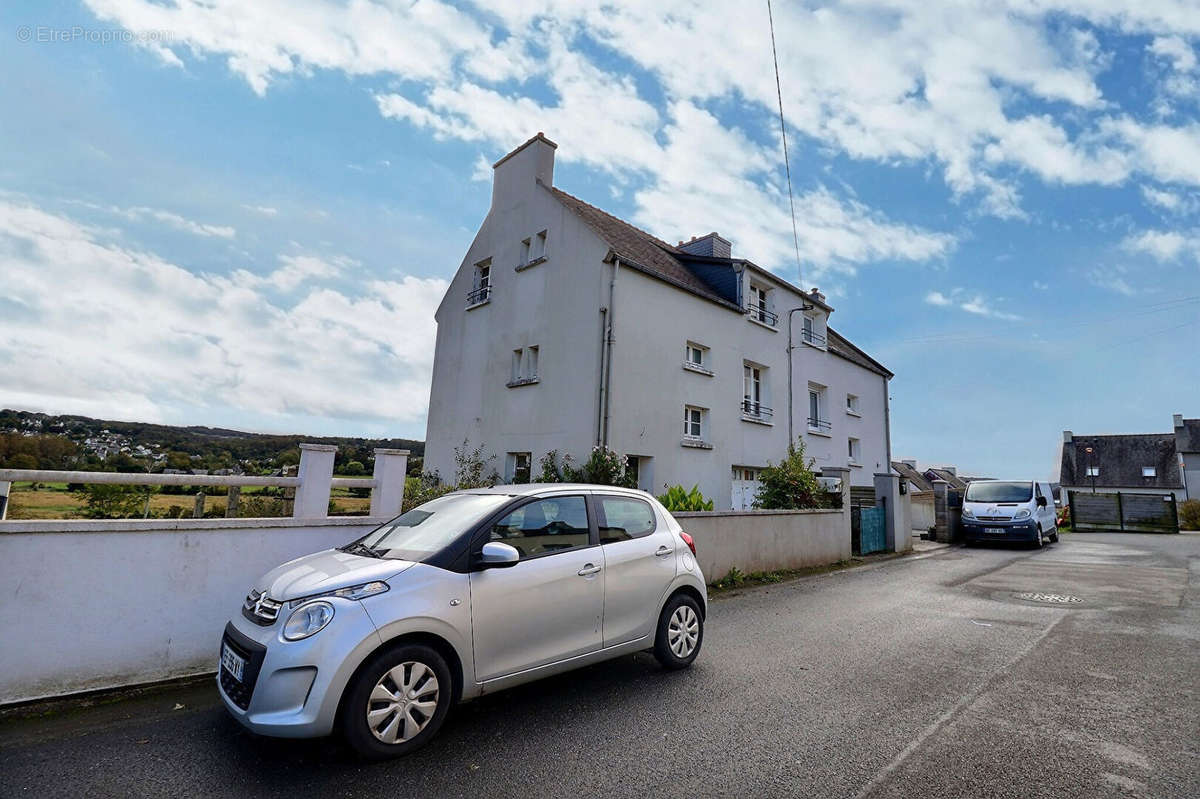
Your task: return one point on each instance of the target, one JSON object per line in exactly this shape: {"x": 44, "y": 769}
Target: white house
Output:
{"x": 566, "y": 327}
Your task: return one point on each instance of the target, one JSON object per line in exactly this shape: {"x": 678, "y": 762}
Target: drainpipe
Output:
{"x": 612, "y": 291}
{"x": 887, "y": 425}
{"x": 603, "y": 375}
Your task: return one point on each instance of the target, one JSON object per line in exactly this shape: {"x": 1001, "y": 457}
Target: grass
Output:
{"x": 53, "y": 501}
{"x": 737, "y": 579}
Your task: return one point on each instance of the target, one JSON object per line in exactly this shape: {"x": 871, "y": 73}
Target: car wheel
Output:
{"x": 680, "y": 632}
{"x": 1054, "y": 535}
{"x": 1037, "y": 540}
{"x": 397, "y": 701}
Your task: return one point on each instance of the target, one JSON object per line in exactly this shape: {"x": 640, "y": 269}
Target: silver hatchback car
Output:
{"x": 468, "y": 594}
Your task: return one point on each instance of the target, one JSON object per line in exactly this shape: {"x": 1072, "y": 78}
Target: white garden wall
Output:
{"x": 98, "y": 604}
{"x": 767, "y": 540}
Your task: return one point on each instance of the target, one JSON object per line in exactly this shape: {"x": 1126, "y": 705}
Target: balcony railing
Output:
{"x": 756, "y": 410}
{"x": 763, "y": 315}
{"x": 813, "y": 337}
{"x": 819, "y": 424}
{"x": 479, "y": 295}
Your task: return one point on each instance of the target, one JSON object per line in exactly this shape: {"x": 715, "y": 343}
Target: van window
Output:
{"x": 998, "y": 491}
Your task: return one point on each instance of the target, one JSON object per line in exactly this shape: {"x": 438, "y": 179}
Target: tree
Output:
{"x": 354, "y": 469}
{"x": 791, "y": 485}
{"x": 104, "y": 501}
{"x": 22, "y": 461}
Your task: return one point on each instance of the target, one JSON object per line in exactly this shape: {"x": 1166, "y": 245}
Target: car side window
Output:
{"x": 544, "y": 527}
{"x": 623, "y": 518}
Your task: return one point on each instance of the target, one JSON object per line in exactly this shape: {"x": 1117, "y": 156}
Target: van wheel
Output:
{"x": 397, "y": 701}
{"x": 1037, "y": 541}
{"x": 680, "y": 632}
{"x": 1054, "y": 535}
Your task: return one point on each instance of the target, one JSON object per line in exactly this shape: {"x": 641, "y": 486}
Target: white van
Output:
{"x": 1009, "y": 510}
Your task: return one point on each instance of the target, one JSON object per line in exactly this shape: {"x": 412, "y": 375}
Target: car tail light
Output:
{"x": 687, "y": 539}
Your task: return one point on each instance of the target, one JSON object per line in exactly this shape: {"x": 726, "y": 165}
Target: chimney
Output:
{"x": 817, "y": 295}
{"x": 710, "y": 246}
{"x": 1178, "y": 419}
{"x": 1067, "y": 436}
{"x": 516, "y": 174}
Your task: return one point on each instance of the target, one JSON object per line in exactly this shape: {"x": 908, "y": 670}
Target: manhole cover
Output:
{"x": 1054, "y": 599}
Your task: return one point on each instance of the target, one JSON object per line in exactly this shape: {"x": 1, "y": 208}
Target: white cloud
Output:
{"x": 1176, "y": 50}
{"x": 1113, "y": 278}
{"x": 1164, "y": 245}
{"x": 98, "y": 327}
{"x": 142, "y": 213}
{"x": 971, "y": 302}
{"x": 297, "y": 270}
{"x": 265, "y": 210}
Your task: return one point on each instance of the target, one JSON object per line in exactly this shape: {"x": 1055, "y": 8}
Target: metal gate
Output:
{"x": 869, "y": 531}
{"x": 1123, "y": 512}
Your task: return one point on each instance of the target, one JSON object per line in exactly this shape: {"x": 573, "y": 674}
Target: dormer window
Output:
{"x": 533, "y": 251}
{"x": 811, "y": 331}
{"x": 1093, "y": 471}
{"x": 696, "y": 358}
{"x": 1149, "y": 471}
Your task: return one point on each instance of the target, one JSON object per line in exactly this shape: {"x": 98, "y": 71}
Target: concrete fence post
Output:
{"x": 316, "y": 480}
{"x": 887, "y": 488}
{"x": 391, "y": 467}
{"x": 231, "y": 503}
{"x": 198, "y": 510}
{"x": 943, "y": 518}
{"x": 5, "y": 487}
{"x": 843, "y": 473}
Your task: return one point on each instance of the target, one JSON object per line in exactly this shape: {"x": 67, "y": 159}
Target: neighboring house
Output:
{"x": 907, "y": 469}
{"x": 1145, "y": 463}
{"x": 947, "y": 473}
{"x": 566, "y": 328}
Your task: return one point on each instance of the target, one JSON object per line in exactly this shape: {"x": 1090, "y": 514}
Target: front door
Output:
{"x": 550, "y": 605}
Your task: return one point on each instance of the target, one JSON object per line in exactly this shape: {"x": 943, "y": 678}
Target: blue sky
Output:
{"x": 244, "y": 214}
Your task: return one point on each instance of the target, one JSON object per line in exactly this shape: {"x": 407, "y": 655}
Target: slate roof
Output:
{"x": 647, "y": 253}
{"x": 841, "y": 346}
{"x": 1121, "y": 458}
{"x": 640, "y": 250}
{"x": 913, "y": 476}
{"x": 1187, "y": 438}
{"x": 943, "y": 474}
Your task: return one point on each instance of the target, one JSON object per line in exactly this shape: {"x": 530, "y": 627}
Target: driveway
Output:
{"x": 910, "y": 678}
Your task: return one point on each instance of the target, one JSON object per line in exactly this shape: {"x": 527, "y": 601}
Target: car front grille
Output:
{"x": 994, "y": 518}
{"x": 260, "y": 608}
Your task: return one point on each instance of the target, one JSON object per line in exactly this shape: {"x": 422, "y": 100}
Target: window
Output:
{"x": 696, "y": 354}
{"x": 632, "y": 462}
{"x": 1149, "y": 471}
{"x": 693, "y": 422}
{"x": 852, "y": 404}
{"x": 623, "y": 519}
{"x": 539, "y": 246}
{"x": 524, "y": 370}
{"x": 517, "y": 467}
{"x": 759, "y": 308}
{"x": 853, "y": 449}
{"x": 482, "y": 286}
{"x": 810, "y": 332}
{"x": 525, "y": 250}
{"x": 816, "y": 408}
{"x": 754, "y": 391}
{"x": 1093, "y": 471}
{"x": 745, "y": 473}
{"x": 544, "y": 527}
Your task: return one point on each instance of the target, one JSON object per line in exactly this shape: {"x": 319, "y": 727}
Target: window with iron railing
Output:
{"x": 809, "y": 333}
{"x": 482, "y": 290}
{"x": 756, "y": 410}
{"x": 759, "y": 306}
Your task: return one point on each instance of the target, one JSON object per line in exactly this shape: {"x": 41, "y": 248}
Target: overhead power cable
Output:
{"x": 783, "y": 133}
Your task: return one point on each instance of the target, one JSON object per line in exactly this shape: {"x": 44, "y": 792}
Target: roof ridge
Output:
{"x": 672, "y": 250}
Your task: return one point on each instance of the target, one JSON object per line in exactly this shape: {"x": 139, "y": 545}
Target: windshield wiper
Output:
{"x": 359, "y": 548}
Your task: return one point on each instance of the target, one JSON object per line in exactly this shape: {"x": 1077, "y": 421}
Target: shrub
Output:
{"x": 470, "y": 468}
{"x": 604, "y": 467}
{"x": 1189, "y": 514}
{"x": 1063, "y": 518}
{"x": 419, "y": 490}
{"x": 258, "y": 506}
{"x": 678, "y": 499}
{"x": 105, "y": 501}
{"x": 791, "y": 485}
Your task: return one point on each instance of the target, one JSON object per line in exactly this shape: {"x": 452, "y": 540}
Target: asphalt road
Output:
{"x": 913, "y": 678}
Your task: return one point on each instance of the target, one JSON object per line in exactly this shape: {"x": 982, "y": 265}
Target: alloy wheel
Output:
{"x": 403, "y": 702}
{"x": 683, "y": 631}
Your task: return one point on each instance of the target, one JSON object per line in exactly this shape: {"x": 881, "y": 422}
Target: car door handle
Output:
{"x": 663, "y": 551}
{"x": 588, "y": 570}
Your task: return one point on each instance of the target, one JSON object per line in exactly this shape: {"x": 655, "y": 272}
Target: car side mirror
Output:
{"x": 497, "y": 555}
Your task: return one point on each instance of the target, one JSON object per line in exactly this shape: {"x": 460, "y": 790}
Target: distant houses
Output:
{"x": 1136, "y": 463}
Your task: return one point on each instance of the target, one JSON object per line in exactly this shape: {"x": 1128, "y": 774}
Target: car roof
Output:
{"x": 540, "y": 489}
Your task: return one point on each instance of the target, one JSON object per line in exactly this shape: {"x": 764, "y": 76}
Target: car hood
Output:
{"x": 326, "y": 571}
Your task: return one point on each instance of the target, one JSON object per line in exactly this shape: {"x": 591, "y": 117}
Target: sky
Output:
{"x": 245, "y": 213}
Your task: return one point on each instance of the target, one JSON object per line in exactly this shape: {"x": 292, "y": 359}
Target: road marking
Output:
{"x": 941, "y": 721}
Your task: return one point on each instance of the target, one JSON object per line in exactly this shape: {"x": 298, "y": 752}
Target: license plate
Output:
{"x": 233, "y": 663}
{"x": 994, "y": 530}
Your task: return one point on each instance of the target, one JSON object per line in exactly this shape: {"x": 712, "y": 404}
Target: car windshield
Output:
{"x": 428, "y": 528}
{"x": 996, "y": 491}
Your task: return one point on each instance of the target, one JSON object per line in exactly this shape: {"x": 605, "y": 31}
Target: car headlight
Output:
{"x": 1023, "y": 513}
{"x": 352, "y": 592}
{"x": 307, "y": 620}
{"x": 968, "y": 513}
